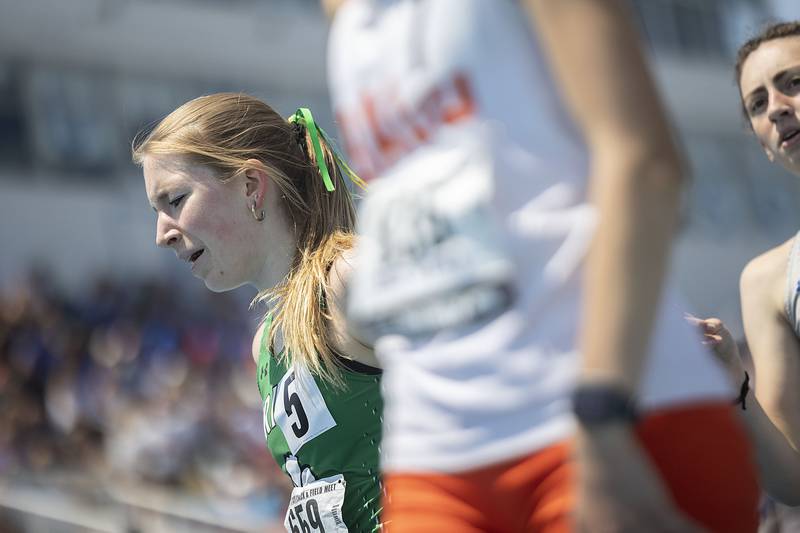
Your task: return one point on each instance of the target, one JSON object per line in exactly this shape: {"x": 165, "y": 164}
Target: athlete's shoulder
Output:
{"x": 341, "y": 270}
{"x": 769, "y": 264}
{"x": 346, "y": 342}
{"x": 764, "y": 277}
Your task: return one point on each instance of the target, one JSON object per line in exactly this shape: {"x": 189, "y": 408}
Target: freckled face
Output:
{"x": 770, "y": 87}
{"x": 204, "y": 220}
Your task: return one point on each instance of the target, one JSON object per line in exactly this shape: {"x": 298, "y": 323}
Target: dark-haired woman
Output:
{"x": 768, "y": 73}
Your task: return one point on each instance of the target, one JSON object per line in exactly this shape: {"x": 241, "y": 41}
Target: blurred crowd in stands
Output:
{"x": 133, "y": 382}
{"x": 138, "y": 384}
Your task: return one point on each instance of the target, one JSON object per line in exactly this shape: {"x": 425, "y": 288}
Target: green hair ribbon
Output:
{"x": 303, "y": 116}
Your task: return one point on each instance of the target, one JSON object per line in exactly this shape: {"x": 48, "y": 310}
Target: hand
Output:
{"x": 717, "y": 336}
{"x": 619, "y": 491}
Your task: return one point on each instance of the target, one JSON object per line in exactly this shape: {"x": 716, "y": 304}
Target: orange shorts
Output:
{"x": 701, "y": 452}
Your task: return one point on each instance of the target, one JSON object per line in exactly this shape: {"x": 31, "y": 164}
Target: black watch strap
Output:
{"x": 595, "y": 405}
{"x": 743, "y": 391}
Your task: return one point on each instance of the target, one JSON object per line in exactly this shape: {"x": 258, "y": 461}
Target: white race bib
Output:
{"x": 431, "y": 255}
{"x": 317, "y": 507}
{"x": 298, "y": 408}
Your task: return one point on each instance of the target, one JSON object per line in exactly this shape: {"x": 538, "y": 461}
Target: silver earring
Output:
{"x": 260, "y": 216}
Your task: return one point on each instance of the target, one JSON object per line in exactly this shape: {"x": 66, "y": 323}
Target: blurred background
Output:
{"x": 127, "y": 392}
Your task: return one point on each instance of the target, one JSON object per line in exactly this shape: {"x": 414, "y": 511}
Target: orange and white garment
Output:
{"x": 463, "y": 133}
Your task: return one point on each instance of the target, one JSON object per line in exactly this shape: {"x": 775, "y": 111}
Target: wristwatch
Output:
{"x": 595, "y": 405}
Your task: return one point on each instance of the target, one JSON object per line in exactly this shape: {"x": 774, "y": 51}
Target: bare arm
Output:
{"x": 331, "y": 6}
{"x": 635, "y": 179}
{"x": 774, "y": 420}
{"x": 778, "y": 462}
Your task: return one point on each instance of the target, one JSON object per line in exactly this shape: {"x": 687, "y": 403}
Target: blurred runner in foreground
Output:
{"x": 513, "y": 273}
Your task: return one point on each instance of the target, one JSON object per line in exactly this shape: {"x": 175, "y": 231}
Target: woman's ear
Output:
{"x": 256, "y": 182}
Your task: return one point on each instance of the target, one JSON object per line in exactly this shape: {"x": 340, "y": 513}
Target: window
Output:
{"x": 14, "y": 148}
{"x": 688, "y": 27}
{"x": 73, "y": 121}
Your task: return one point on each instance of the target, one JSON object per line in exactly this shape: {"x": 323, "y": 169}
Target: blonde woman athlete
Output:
{"x": 247, "y": 197}
{"x": 768, "y": 73}
{"x": 525, "y": 176}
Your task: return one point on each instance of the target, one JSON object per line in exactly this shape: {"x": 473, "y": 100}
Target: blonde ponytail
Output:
{"x": 301, "y": 308}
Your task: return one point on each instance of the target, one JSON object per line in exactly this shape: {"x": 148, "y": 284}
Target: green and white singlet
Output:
{"x": 326, "y": 440}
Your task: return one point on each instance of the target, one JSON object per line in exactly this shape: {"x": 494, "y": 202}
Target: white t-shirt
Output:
{"x": 476, "y": 225}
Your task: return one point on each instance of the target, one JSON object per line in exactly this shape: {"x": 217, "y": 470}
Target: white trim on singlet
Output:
{"x": 792, "y": 294}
